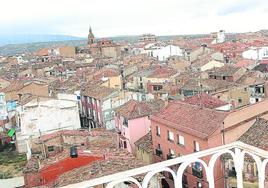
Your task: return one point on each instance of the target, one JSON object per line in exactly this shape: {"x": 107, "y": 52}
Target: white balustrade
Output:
{"x": 237, "y": 150}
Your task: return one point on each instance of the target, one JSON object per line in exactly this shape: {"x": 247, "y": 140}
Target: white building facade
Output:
{"x": 40, "y": 117}
{"x": 3, "y": 107}
{"x": 255, "y": 53}
{"x": 164, "y": 52}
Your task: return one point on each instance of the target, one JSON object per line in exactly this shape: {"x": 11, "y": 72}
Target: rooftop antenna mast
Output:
{"x": 201, "y": 89}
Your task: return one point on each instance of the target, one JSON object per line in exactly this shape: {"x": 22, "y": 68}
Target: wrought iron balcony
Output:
{"x": 158, "y": 152}
{"x": 237, "y": 150}
{"x": 171, "y": 156}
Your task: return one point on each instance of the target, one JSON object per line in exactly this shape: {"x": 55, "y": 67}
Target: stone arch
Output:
{"x": 130, "y": 179}
{"x": 262, "y": 173}
{"x": 258, "y": 162}
{"x": 149, "y": 176}
{"x": 184, "y": 165}
{"x": 212, "y": 162}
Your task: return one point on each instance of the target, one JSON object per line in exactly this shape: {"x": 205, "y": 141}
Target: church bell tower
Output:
{"x": 90, "y": 38}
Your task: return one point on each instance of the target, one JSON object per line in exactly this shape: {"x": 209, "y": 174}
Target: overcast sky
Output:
{"x": 131, "y": 17}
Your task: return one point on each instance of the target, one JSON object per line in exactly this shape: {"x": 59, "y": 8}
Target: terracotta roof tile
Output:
{"x": 257, "y": 134}
{"x": 226, "y": 70}
{"x": 205, "y": 100}
{"x": 145, "y": 142}
{"x": 192, "y": 119}
{"x": 97, "y": 91}
{"x": 134, "y": 109}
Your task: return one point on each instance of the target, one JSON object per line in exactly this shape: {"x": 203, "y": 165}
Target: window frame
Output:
{"x": 179, "y": 140}
{"x": 168, "y": 136}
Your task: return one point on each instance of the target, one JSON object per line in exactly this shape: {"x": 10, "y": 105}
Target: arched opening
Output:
{"x": 225, "y": 160}
{"x": 160, "y": 178}
{"x": 164, "y": 183}
{"x": 250, "y": 172}
{"x": 265, "y": 163}
{"x": 193, "y": 174}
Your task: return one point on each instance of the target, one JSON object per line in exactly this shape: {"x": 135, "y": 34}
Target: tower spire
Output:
{"x": 91, "y": 37}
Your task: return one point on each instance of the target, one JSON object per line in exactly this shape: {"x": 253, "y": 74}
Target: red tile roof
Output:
{"x": 105, "y": 72}
{"x": 257, "y": 134}
{"x": 145, "y": 143}
{"x": 205, "y": 100}
{"x": 244, "y": 63}
{"x": 134, "y": 109}
{"x": 64, "y": 132}
{"x": 162, "y": 72}
{"x": 192, "y": 119}
{"x": 97, "y": 91}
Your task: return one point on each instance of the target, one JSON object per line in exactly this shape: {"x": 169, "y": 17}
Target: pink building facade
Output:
{"x": 129, "y": 131}
{"x": 132, "y": 121}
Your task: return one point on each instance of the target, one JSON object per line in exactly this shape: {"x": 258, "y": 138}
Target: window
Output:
{"x": 170, "y": 136}
{"x": 125, "y": 122}
{"x": 197, "y": 170}
{"x": 157, "y": 131}
{"x": 141, "y": 86}
{"x": 171, "y": 154}
{"x": 223, "y": 78}
{"x": 50, "y": 148}
{"x": 239, "y": 101}
{"x": 141, "y": 79}
{"x": 158, "y": 151}
{"x": 1, "y": 98}
{"x": 157, "y": 87}
{"x": 265, "y": 53}
{"x": 196, "y": 146}
{"x": 171, "y": 151}
{"x": 125, "y": 144}
{"x": 180, "y": 140}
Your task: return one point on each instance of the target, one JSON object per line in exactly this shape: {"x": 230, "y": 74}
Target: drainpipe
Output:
{"x": 223, "y": 160}
{"x": 29, "y": 152}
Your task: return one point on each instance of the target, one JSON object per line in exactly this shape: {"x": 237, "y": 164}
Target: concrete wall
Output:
{"x": 12, "y": 182}
{"x": 46, "y": 117}
{"x": 67, "y": 51}
{"x": 146, "y": 157}
{"x": 114, "y": 82}
{"x": 247, "y": 116}
{"x": 111, "y": 51}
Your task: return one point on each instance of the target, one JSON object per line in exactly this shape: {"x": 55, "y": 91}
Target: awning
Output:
{"x": 11, "y": 132}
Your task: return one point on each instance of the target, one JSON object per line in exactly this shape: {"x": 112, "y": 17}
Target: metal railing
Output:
{"x": 237, "y": 150}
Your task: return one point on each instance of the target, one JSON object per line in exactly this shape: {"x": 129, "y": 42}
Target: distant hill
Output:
{"x": 28, "y": 47}
{"x": 13, "y": 49}
{"x": 22, "y": 39}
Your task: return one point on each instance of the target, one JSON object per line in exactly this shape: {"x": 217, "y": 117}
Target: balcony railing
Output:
{"x": 158, "y": 152}
{"x": 237, "y": 150}
{"x": 171, "y": 156}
